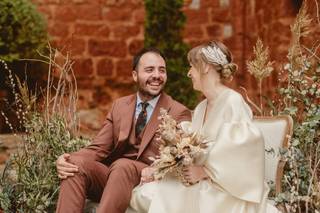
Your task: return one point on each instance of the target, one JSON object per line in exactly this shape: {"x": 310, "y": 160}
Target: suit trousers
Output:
{"x": 111, "y": 185}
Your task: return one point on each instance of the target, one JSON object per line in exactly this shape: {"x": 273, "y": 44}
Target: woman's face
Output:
{"x": 194, "y": 74}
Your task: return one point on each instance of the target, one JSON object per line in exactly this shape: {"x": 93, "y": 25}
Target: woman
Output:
{"x": 229, "y": 178}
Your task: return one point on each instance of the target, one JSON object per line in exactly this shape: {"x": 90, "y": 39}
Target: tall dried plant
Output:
{"x": 260, "y": 67}
{"x": 29, "y": 182}
{"x": 299, "y": 92}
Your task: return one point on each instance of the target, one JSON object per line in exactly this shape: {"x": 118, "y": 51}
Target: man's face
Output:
{"x": 151, "y": 75}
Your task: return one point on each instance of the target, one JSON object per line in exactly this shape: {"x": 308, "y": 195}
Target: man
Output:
{"x": 109, "y": 168}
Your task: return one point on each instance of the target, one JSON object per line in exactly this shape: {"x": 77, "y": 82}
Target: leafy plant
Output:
{"x": 22, "y": 34}
{"x": 30, "y": 182}
{"x": 163, "y": 26}
{"x": 299, "y": 93}
{"x": 22, "y": 30}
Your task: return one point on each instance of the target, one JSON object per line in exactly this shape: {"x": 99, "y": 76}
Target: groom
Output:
{"x": 109, "y": 168}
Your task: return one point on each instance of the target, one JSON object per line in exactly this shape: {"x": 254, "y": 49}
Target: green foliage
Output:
{"x": 22, "y": 30}
{"x": 30, "y": 182}
{"x": 163, "y": 26}
{"x": 299, "y": 94}
{"x": 35, "y": 186}
{"x": 301, "y": 98}
{"x": 22, "y": 34}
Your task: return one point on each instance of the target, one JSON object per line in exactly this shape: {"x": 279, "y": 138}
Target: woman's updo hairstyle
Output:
{"x": 215, "y": 54}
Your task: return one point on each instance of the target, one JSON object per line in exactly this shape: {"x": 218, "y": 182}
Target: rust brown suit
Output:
{"x": 111, "y": 166}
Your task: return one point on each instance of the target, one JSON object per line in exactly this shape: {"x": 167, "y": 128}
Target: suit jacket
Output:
{"x": 109, "y": 144}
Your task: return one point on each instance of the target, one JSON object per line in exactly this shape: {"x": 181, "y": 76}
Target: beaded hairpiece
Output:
{"x": 214, "y": 55}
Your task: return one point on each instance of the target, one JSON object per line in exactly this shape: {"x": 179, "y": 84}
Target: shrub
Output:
{"x": 30, "y": 182}
{"x": 299, "y": 97}
{"x": 163, "y": 26}
{"x": 22, "y": 30}
{"x": 22, "y": 34}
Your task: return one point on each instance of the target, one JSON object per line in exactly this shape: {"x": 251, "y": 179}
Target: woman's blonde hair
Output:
{"x": 198, "y": 59}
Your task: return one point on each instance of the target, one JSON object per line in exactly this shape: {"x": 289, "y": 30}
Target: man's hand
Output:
{"x": 193, "y": 174}
{"x": 64, "y": 168}
{"x": 147, "y": 175}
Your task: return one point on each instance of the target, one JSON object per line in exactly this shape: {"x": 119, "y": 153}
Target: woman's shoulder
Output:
{"x": 233, "y": 96}
{"x": 236, "y": 103}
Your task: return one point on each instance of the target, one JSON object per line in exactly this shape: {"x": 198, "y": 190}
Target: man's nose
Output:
{"x": 156, "y": 74}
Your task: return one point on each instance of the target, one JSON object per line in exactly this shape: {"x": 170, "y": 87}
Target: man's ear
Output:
{"x": 135, "y": 75}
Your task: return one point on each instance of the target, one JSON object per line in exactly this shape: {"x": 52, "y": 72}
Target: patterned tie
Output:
{"x": 142, "y": 118}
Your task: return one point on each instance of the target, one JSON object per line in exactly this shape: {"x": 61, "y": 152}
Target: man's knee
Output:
{"x": 125, "y": 167}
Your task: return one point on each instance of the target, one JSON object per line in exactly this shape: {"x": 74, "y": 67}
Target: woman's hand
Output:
{"x": 147, "y": 175}
{"x": 193, "y": 174}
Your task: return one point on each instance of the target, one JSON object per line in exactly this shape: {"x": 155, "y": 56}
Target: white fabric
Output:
{"x": 234, "y": 161}
{"x": 274, "y": 133}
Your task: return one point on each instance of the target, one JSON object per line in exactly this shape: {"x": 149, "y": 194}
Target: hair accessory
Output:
{"x": 214, "y": 55}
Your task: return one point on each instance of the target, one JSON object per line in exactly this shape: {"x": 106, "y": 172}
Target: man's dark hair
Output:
{"x": 137, "y": 57}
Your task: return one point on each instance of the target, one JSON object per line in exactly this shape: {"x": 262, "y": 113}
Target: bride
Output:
{"x": 229, "y": 178}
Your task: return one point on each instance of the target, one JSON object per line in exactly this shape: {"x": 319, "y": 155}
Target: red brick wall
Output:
{"x": 103, "y": 35}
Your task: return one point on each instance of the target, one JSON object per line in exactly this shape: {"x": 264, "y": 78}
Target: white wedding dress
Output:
{"x": 234, "y": 162}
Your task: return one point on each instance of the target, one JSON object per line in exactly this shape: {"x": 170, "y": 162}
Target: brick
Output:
{"x": 193, "y": 32}
{"x": 86, "y": 29}
{"x": 214, "y": 30}
{"x": 135, "y": 46}
{"x": 105, "y": 67}
{"x": 116, "y": 15}
{"x": 125, "y": 32}
{"x": 91, "y": 30}
{"x": 77, "y": 46}
{"x": 101, "y": 96}
{"x": 107, "y": 48}
{"x": 209, "y": 3}
{"x": 195, "y": 17}
{"x": 83, "y": 67}
{"x": 59, "y": 29}
{"x": 124, "y": 68}
{"x": 65, "y": 13}
{"x": 220, "y": 15}
{"x": 91, "y": 12}
{"x": 104, "y": 31}
{"x": 139, "y": 16}
{"x": 85, "y": 82}
{"x": 234, "y": 43}
{"x": 46, "y": 10}
{"x": 132, "y": 4}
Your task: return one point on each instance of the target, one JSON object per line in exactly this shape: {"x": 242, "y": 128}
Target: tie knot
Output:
{"x": 144, "y": 105}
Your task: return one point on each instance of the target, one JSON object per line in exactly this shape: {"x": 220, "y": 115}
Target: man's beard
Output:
{"x": 146, "y": 93}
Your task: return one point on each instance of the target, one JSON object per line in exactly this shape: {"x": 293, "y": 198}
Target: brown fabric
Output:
{"x": 98, "y": 181}
{"x": 100, "y": 173}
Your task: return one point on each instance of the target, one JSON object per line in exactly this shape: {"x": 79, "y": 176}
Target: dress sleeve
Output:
{"x": 236, "y": 160}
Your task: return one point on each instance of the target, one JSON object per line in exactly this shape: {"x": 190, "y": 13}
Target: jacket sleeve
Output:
{"x": 184, "y": 114}
{"x": 103, "y": 143}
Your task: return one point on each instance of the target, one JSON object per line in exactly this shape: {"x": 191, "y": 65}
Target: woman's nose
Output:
{"x": 189, "y": 74}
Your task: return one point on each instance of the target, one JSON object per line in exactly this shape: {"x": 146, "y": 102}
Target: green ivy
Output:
{"x": 163, "y": 27}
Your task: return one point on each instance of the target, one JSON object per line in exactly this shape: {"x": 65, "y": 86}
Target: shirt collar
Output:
{"x": 153, "y": 102}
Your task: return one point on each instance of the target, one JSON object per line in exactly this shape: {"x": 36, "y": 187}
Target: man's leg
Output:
{"x": 124, "y": 175}
{"x": 90, "y": 180}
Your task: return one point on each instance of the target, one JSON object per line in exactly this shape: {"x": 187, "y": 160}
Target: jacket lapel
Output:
{"x": 154, "y": 122}
{"x": 126, "y": 120}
